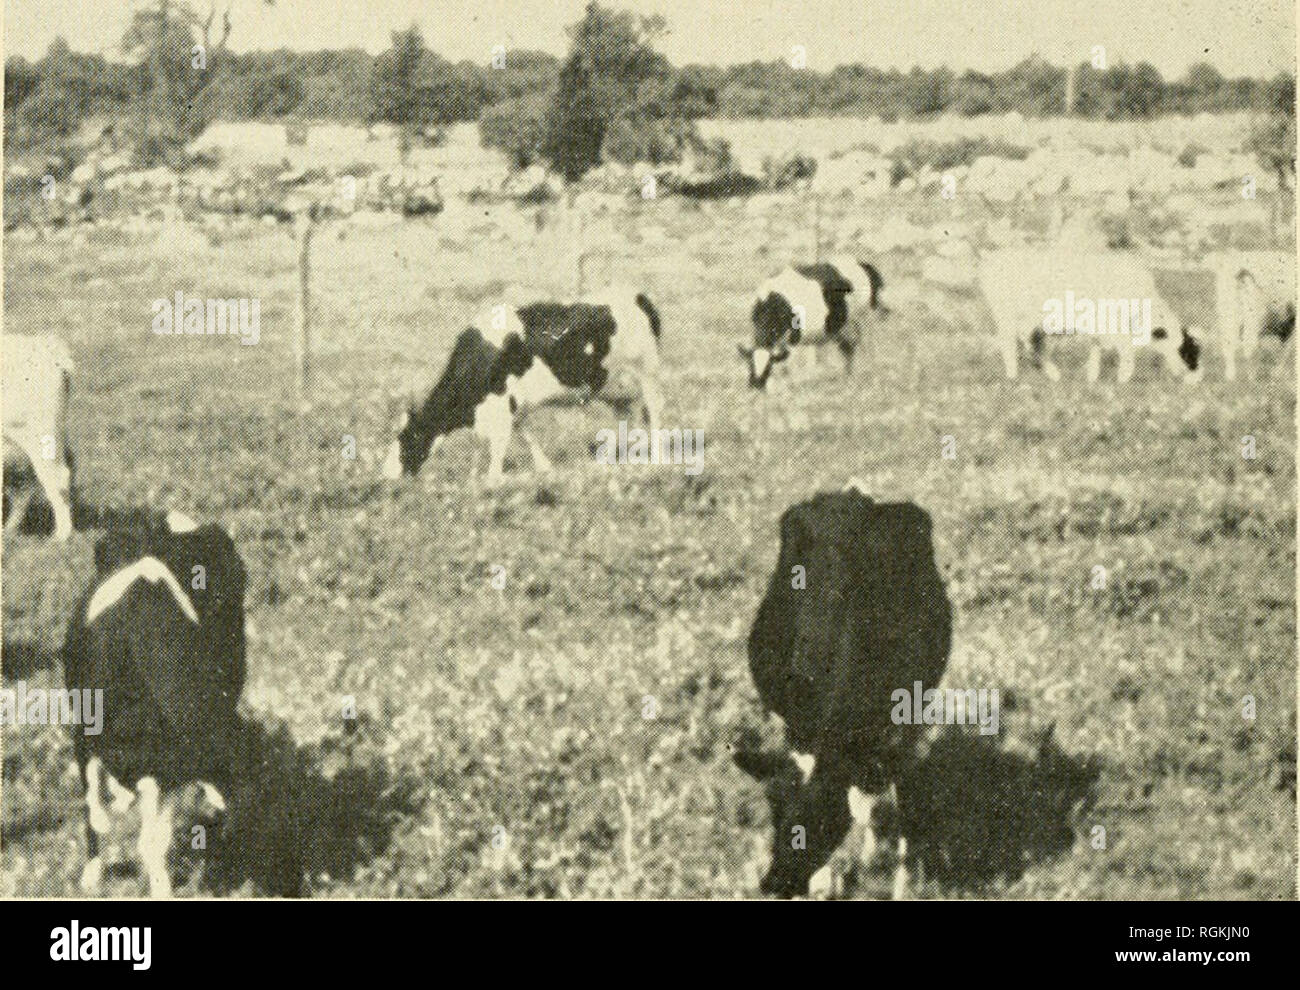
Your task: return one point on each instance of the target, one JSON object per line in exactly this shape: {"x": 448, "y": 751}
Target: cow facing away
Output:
{"x": 854, "y": 611}
{"x": 514, "y": 359}
{"x": 37, "y": 377}
{"x": 809, "y": 305}
{"x": 1107, "y": 298}
{"x": 161, "y": 632}
{"x": 1254, "y": 295}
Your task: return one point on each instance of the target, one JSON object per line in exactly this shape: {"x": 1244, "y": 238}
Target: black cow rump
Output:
{"x": 827, "y": 657}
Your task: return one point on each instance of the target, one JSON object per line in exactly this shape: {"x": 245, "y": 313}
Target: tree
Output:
{"x": 179, "y": 62}
{"x": 413, "y": 87}
{"x": 610, "y": 61}
{"x": 1204, "y": 81}
{"x": 1139, "y": 91}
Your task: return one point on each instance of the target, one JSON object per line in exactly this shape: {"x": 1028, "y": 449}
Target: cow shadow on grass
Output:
{"x": 302, "y": 815}
{"x": 976, "y": 813}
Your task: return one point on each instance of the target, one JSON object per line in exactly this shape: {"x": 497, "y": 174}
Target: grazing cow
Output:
{"x": 1109, "y": 298}
{"x": 855, "y": 610}
{"x": 1255, "y": 295}
{"x": 812, "y": 298}
{"x": 161, "y": 632}
{"x": 513, "y": 359}
{"x": 37, "y": 377}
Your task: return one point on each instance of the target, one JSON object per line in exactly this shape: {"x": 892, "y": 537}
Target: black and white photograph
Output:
{"x": 649, "y": 450}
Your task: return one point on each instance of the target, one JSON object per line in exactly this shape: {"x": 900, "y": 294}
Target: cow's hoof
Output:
{"x": 92, "y": 875}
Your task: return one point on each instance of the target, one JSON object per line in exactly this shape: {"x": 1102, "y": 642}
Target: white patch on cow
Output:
{"x": 536, "y": 386}
{"x": 212, "y": 796}
{"x": 800, "y": 292}
{"x": 821, "y": 885}
{"x": 179, "y": 522}
{"x": 860, "y": 805}
{"x": 499, "y": 322}
{"x": 589, "y": 350}
{"x": 634, "y": 339}
{"x": 150, "y": 569}
{"x": 806, "y": 762}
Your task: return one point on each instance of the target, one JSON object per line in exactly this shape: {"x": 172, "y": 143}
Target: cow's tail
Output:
{"x": 651, "y": 314}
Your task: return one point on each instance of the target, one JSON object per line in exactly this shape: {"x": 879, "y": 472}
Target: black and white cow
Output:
{"x": 808, "y": 304}
{"x": 515, "y": 358}
{"x": 161, "y": 632}
{"x": 1255, "y": 293}
{"x": 37, "y": 377}
{"x": 855, "y": 610}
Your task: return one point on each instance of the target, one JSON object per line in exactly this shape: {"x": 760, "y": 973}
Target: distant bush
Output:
{"x": 656, "y": 141}
{"x": 517, "y": 127}
{"x": 941, "y": 156}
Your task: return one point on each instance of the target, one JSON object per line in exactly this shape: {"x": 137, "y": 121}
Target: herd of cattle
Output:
{"x": 826, "y": 655}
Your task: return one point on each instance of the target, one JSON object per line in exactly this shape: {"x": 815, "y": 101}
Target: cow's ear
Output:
{"x": 745, "y": 352}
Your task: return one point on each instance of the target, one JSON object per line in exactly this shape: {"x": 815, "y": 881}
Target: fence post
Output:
{"x": 817, "y": 228}
{"x": 305, "y": 224}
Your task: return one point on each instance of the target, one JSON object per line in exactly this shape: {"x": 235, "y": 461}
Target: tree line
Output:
{"x": 613, "y": 95}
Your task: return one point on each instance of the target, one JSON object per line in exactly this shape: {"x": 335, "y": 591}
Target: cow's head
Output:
{"x": 475, "y": 369}
{"x": 761, "y": 360}
{"x": 1185, "y": 347}
{"x": 411, "y": 448}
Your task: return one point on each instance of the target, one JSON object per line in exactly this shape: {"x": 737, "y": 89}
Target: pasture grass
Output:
{"x": 524, "y": 707}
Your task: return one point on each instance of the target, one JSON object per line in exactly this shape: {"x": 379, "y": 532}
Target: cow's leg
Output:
{"x": 902, "y": 879}
{"x": 1127, "y": 362}
{"x": 494, "y": 422}
{"x": 540, "y": 461}
{"x": 847, "y": 347}
{"x": 18, "y": 510}
{"x": 1250, "y": 328}
{"x": 1093, "y": 367}
{"x": 652, "y": 409}
{"x": 97, "y": 823}
{"x": 56, "y": 481}
{"x": 155, "y": 837}
{"x": 862, "y": 806}
{"x": 1038, "y": 351}
{"x": 1010, "y": 348}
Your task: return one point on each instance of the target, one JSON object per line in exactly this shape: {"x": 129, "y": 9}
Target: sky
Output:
{"x": 1238, "y": 37}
